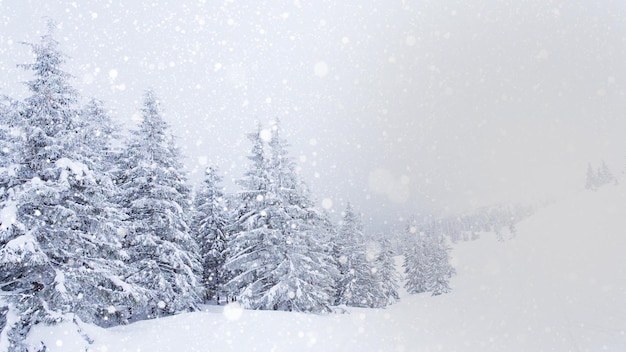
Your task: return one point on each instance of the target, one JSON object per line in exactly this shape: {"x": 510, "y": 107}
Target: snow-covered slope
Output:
{"x": 560, "y": 285}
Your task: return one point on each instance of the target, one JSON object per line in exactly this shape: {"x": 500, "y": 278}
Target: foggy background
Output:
{"x": 401, "y": 107}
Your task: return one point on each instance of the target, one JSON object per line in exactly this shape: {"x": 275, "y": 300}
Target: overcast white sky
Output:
{"x": 398, "y": 106}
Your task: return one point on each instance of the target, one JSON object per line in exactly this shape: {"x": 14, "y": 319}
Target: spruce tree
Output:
{"x": 163, "y": 256}
{"x": 211, "y": 217}
{"x": 306, "y": 271}
{"x": 387, "y": 273}
{"x": 604, "y": 175}
{"x": 427, "y": 264}
{"x": 440, "y": 270}
{"x": 591, "y": 182}
{"x": 246, "y": 251}
{"x": 358, "y": 285}
{"x": 277, "y": 251}
{"x": 416, "y": 262}
{"x": 61, "y": 251}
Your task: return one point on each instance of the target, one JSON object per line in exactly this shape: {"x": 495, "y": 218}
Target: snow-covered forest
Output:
{"x": 510, "y": 295}
{"x": 110, "y": 235}
{"x": 134, "y": 216}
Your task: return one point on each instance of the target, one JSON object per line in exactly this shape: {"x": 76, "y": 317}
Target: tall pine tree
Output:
{"x": 306, "y": 272}
{"x": 604, "y": 174}
{"x": 246, "y": 252}
{"x": 591, "y": 182}
{"x": 415, "y": 265}
{"x": 427, "y": 263}
{"x": 358, "y": 285}
{"x": 163, "y": 256}
{"x": 386, "y": 273}
{"x": 211, "y": 217}
{"x": 440, "y": 269}
{"x": 277, "y": 252}
{"x": 61, "y": 251}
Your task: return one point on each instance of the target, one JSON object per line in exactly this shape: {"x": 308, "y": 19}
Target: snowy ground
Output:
{"x": 560, "y": 285}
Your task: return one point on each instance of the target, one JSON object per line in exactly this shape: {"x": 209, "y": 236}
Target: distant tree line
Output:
{"x": 599, "y": 177}
{"x": 425, "y": 242}
{"x": 107, "y": 236}
{"x": 500, "y": 219}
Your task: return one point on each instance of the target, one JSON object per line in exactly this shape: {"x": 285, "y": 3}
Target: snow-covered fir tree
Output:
{"x": 163, "y": 255}
{"x": 307, "y": 270}
{"x": 211, "y": 217}
{"x": 358, "y": 285}
{"x": 600, "y": 177}
{"x": 245, "y": 249}
{"x": 427, "y": 263}
{"x": 386, "y": 273}
{"x": 604, "y": 174}
{"x": 440, "y": 270}
{"x": 60, "y": 251}
{"x": 278, "y": 252}
{"x": 416, "y": 260}
{"x": 415, "y": 265}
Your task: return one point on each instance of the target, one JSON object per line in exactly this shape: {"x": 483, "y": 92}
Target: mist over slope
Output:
{"x": 559, "y": 285}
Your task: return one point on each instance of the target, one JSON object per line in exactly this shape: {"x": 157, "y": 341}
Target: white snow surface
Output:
{"x": 559, "y": 285}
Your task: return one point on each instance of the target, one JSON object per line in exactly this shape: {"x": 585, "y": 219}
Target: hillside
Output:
{"x": 559, "y": 285}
